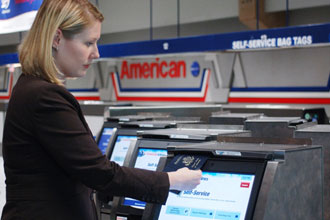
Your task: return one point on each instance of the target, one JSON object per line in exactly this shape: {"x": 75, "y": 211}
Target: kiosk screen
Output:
{"x": 120, "y": 148}
{"x": 104, "y": 139}
{"x": 219, "y": 196}
{"x": 148, "y": 159}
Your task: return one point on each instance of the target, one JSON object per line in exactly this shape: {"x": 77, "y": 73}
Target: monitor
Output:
{"x": 148, "y": 159}
{"x": 104, "y": 138}
{"x": 121, "y": 147}
{"x": 105, "y": 135}
{"x": 317, "y": 115}
{"x": 228, "y": 190}
{"x": 119, "y": 144}
{"x": 221, "y": 195}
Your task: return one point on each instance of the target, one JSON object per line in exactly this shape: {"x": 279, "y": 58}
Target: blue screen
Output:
{"x": 104, "y": 139}
{"x": 147, "y": 159}
{"x": 219, "y": 196}
{"x": 120, "y": 149}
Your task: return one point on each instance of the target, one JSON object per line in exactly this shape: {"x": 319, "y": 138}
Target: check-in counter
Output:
{"x": 275, "y": 127}
{"x": 320, "y": 135}
{"x": 315, "y": 114}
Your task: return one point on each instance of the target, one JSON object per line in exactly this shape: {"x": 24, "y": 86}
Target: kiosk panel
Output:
{"x": 104, "y": 138}
{"x": 148, "y": 159}
{"x": 120, "y": 148}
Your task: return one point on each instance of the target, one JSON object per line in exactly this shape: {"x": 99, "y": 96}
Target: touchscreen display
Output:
{"x": 120, "y": 149}
{"x": 104, "y": 139}
{"x": 219, "y": 196}
{"x": 147, "y": 159}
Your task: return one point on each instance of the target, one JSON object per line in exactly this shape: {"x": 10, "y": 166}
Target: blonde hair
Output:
{"x": 70, "y": 16}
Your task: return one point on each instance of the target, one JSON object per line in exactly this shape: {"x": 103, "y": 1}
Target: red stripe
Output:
{"x": 161, "y": 99}
{"x": 114, "y": 84}
{"x": 280, "y": 100}
{"x": 94, "y": 98}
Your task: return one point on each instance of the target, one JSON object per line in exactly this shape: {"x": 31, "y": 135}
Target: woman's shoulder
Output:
{"x": 37, "y": 84}
{"x": 35, "y": 88}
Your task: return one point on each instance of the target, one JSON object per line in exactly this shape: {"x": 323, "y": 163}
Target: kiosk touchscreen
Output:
{"x": 225, "y": 192}
{"x": 147, "y": 158}
{"x": 126, "y": 133}
{"x": 228, "y": 190}
{"x": 119, "y": 145}
{"x": 104, "y": 136}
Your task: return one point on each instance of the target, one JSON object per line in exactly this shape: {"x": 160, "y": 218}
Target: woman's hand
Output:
{"x": 184, "y": 179}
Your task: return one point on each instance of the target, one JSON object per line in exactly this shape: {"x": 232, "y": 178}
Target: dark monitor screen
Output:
{"x": 317, "y": 115}
{"x": 104, "y": 138}
{"x": 120, "y": 148}
{"x": 148, "y": 159}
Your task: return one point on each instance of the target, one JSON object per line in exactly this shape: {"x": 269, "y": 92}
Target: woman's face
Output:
{"x": 74, "y": 56}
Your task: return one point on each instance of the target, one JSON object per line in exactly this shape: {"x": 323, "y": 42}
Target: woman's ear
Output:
{"x": 57, "y": 39}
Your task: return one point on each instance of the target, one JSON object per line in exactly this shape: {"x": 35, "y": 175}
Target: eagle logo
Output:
{"x": 188, "y": 160}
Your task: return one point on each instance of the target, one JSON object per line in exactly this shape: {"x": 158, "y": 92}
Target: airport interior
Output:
{"x": 243, "y": 84}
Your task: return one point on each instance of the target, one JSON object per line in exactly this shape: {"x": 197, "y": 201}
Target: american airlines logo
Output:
{"x": 157, "y": 69}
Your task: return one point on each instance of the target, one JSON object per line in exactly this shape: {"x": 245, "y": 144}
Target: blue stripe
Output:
{"x": 121, "y": 89}
{"x": 216, "y": 42}
{"x": 8, "y": 58}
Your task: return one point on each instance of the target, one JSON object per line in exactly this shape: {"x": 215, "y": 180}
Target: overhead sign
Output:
{"x": 17, "y": 15}
{"x": 266, "y": 42}
{"x": 162, "y": 79}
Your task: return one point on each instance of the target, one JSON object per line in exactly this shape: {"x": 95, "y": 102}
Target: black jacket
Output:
{"x": 52, "y": 162}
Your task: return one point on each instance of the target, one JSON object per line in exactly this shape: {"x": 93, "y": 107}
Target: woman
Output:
{"x": 50, "y": 157}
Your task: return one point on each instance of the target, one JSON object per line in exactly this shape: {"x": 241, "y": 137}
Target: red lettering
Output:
{"x": 124, "y": 70}
{"x": 172, "y": 69}
{"x": 146, "y": 70}
{"x": 182, "y": 67}
{"x": 162, "y": 66}
{"x": 135, "y": 70}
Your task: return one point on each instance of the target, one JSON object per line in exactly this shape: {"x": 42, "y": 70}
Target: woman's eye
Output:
{"x": 89, "y": 44}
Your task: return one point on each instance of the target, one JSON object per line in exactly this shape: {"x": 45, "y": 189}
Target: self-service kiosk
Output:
{"x": 149, "y": 147}
{"x": 275, "y": 127}
{"x": 320, "y": 135}
{"x": 310, "y": 114}
{"x": 111, "y": 123}
{"x": 246, "y": 181}
{"x": 122, "y": 137}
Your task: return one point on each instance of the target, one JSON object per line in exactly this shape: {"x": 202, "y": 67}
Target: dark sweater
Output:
{"x": 52, "y": 162}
